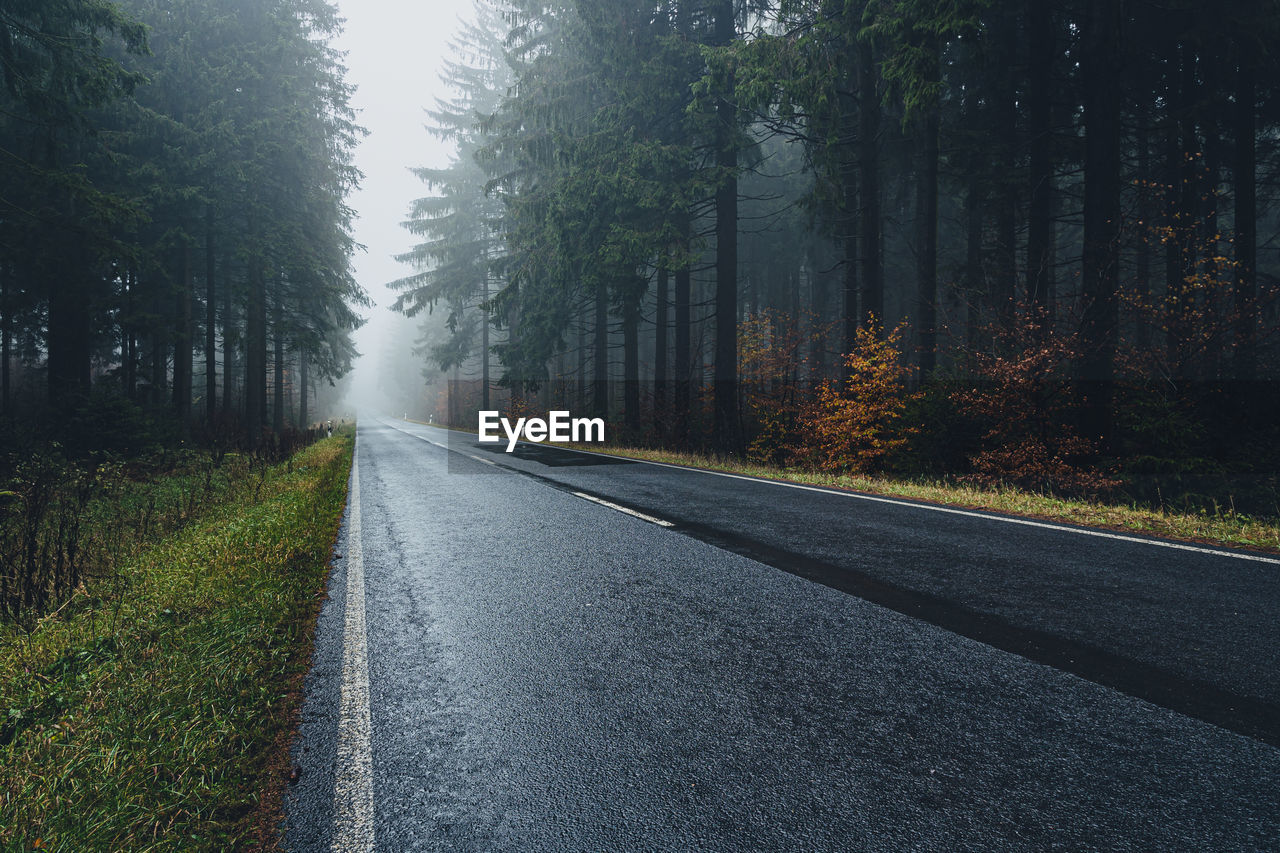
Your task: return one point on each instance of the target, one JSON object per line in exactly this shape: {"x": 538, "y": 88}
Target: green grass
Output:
{"x": 156, "y": 715}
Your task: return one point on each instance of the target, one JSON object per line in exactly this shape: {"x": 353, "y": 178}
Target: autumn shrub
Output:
{"x": 524, "y": 406}
{"x": 855, "y": 425}
{"x": 1026, "y": 407}
{"x": 1191, "y": 328}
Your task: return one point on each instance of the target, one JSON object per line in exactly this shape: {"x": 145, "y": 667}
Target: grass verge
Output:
{"x": 1225, "y": 527}
{"x": 159, "y": 720}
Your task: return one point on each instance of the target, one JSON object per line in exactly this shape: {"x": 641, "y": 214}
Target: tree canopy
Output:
{"x": 176, "y": 194}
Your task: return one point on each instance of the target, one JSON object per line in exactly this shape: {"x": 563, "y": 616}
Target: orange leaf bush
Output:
{"x": 1025, "y": 401}
{"x": 855, "y": 425}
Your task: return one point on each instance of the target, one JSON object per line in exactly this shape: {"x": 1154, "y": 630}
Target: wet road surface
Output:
{"x": 778, "y": 669}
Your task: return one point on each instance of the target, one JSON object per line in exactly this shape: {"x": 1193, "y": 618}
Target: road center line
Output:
{"x": 447, "y": 447}
{"x": 640, "y": 515}
{"x": 353, "y": 783}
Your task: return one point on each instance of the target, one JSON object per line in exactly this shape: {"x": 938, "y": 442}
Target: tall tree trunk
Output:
{"x": 600, "y": 359}
{"x": 455, "y": 398}
{"x": 210, "y": 323}
{"x": 277, "y": 338}
{"x": 725, "y": 434}
{"x": 1209, "y": 361}
{"x": 255, "y": 373}
{"x": 850, "y": 313}
{"x": 303, "y": 365}
{"x": 1186, "y": 184}
{"x": 927, "y": 245}
{"x": 516, "y": 388}
{"x": 5, "y": 338}
{"x": 631, "y": 365}
{"x": 818, "y": 315}
{"x": 793, "y": 290}
{"x": 230, "y": 340}
{"x": 129, "y": 337}
{"x": 70, "y": 321}
{"x": 1100, "y": 262}
{"x": 582, "y": 359}
{"x": 182, "y": 343}
{"x": 660, "y": 352}
{"x": 70, "y": 326}
{"x": 1142, "y": 263}
{"x": 158, "y": 335}
{"x": 558, "y": 393}
{"x": 869, "y": 186}
{"x": 1005, "y": 278}
{"x": 974, "y": 281}
{"x": 1040, "y": 51}
{"x": 1174, "y": 165}
{"x": 1244, "y": 177}
{"x": 975, "y": 200}
{"x": 683, "y": 366}
{"x": 1188, "y": 203}
{"x": 485, "y": 380}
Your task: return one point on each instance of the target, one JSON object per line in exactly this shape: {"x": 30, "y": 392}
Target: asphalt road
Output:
{"x": 505, "y": 663}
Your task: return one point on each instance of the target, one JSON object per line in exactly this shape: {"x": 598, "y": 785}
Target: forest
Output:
{"x": 177, "y": 300}
{"x": 175, "y": 243}
{"x": 1022, "y": 243}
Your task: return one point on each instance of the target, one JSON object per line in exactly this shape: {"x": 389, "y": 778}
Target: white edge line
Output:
{"x": 353, "y": 782}
{"x": 640, "y": 515}
{"x": 1026, "y": 522}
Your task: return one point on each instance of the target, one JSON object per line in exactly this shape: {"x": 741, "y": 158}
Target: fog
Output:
{"x": 394, "y": 50}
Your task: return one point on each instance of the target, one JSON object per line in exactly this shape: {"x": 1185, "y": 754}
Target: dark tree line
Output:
{"x": 173, "y": 226}
{"x": 1091, "y": 175}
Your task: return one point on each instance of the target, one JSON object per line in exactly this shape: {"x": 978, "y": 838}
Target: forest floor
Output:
{"x": 153, "y": 711}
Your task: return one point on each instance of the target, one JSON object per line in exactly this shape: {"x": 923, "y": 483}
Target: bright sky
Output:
{"x": 394, "y": 52}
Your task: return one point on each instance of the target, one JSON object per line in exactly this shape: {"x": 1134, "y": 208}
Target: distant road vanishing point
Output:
{"x": 550, "y": 650}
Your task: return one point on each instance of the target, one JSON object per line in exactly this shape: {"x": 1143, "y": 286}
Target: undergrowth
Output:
{"x": 150, "y": 711}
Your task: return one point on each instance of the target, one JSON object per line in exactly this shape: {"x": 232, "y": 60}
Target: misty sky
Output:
{"x": 394, "y": 51}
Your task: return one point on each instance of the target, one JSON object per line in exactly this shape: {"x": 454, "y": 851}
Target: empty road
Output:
{"x": 550, "y": 650}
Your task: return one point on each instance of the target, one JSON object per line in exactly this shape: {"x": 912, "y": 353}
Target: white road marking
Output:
{"x": 353, "y": 785}
{"x": 640, "y": 515}
{"x": 446, "y": 447}
{"x": 1026, "y": 522}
